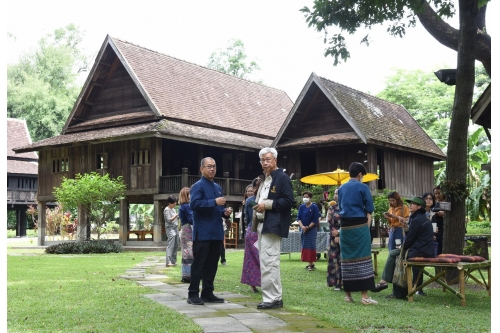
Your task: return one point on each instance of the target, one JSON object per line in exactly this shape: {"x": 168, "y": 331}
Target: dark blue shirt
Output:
{"x": 207, "y": 216}
{"x": 355, "y": 199}
{"x": 308, "y": 215}
{"x": 186, "y": 214}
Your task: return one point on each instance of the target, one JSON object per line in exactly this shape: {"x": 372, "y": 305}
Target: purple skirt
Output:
{"x": 250, "y": 273}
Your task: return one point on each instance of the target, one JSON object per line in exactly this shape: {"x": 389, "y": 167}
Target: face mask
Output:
{"x": 305, "y": 200}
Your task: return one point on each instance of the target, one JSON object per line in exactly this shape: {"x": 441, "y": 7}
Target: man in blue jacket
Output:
{"x": 272, "y": 222}
{"x": 207, "y": 203}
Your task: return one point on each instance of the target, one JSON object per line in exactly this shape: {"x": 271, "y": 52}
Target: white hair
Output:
{"x": 268, "y": 150}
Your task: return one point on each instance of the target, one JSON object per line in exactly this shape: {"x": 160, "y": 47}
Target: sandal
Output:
{"x": 309, "y": 268}
{"x": 368, "y": 301}
{"x": 390, "y": 296}
{"x": 379, "y": 287}
{"x": 349, "y": 299}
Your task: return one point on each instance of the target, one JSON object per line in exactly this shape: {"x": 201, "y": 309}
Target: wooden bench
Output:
{"x": 465, "y": 270}
{"x": 141, "y": 234}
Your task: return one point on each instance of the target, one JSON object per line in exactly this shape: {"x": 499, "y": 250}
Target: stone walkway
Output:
{"x": 237, "y": 314}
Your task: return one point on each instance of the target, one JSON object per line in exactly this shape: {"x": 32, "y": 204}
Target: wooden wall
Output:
{"x": 83, "y": 159}
{"x": 408, "y": 173}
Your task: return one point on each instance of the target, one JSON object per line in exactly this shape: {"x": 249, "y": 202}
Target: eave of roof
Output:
{"x": 163, "y": 128}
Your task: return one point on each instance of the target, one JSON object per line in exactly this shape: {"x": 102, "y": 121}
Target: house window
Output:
{"x": 102, "y": 161}
{"x": 140, "y": 157}
{"x": 60, "y": 164}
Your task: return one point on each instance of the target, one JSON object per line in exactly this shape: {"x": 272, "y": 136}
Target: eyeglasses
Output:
{"x": 428, "y": 199}
{"x": 269, "y": 159}
{"x": 210, "y": 166}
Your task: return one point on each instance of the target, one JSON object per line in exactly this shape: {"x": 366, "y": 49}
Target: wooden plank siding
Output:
{"x": 83, "y": 159}
{"x": 319, "y": 117}
{"x": 408, "y": 173}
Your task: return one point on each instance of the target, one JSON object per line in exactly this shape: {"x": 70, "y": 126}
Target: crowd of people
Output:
{"x": 266, "y": 216}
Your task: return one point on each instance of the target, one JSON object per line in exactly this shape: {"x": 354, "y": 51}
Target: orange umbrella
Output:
{"x": 334, "y": 178}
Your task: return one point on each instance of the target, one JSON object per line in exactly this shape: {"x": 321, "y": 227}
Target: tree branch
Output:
{"x": 449, "y": 36}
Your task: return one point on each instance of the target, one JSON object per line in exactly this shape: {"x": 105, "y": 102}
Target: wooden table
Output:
{"x": 465, "y": 270}
{"x": 141, "y": 234}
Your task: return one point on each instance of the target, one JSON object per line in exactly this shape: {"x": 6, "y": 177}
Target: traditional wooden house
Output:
{"x": 332, "y": 125}
{"x": 22, "y": 173}
{"x": 151, "y": 118}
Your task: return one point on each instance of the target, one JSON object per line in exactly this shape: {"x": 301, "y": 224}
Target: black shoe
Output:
{"x": 421, "y": 293}
{"x": 273, "y": 305}
{"x": 195, "y": 300}
{"x": 379, "y": 287}
{"x": 212, "y": 299}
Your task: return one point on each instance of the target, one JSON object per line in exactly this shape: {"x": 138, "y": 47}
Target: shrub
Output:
{"x": 92, "y": 246}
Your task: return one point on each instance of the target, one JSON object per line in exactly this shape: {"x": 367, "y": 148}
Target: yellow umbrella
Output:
{"x": 334, "y": 178}
{"x": 327, "y": 178}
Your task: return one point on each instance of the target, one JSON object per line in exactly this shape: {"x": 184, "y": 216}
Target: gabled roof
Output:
{"x": 168, "y": 88}
{"x": 17, "y": 136}
{"x": 370, "y": 120}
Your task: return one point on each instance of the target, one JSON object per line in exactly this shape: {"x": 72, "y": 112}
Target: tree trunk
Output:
{"x": 456, "y": 164}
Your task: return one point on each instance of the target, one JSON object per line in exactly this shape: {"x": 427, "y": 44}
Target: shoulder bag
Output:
{"x": 399, "y": 277}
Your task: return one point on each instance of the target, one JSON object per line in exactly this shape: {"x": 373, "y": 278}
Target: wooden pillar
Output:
{"x": 226, "y": 183}
{"x": 42, "y": 223}
{"x": 236, "y": 165}
{"x": 200, "y": 157}
{"x": 83, "y": 233}
{"x": 124, "y": 222}
{"x": 158, "y": 221}
{"x": 184, "y": 178}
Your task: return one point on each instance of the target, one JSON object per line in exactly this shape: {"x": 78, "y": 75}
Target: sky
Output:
{"x": 274, "y": 33}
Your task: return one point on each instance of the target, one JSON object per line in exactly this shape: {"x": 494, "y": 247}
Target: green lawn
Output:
{"x": 58, "y": 293}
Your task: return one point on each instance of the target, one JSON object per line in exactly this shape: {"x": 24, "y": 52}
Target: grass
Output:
{"x": 83, "y": 293}
{"x": 57, "y": 293}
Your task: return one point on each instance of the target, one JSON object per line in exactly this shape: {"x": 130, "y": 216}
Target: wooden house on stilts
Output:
{"x": 151, "y": 118}
{"x": 332, "y": 125}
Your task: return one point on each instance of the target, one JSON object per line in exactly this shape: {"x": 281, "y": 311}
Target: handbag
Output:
{"x": 399, "y": 277}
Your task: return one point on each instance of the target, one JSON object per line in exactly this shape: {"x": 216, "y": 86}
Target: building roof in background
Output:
{"x": 18, "y": 136}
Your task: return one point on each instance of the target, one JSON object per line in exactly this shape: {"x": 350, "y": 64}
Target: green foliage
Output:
{"x": 478, "y": 228}
{"x": 42, "y": 87}
{"x": 381, "y": 204}
{"x": 232, "y": 60}
{"x": 91, "y": 246}
{"x": 316, "y": 190}
{"x": 29, "y": 233}
{"x": 98, "y": 196}
{"x": 349, "y": 16}
{"x": 143, "y": 215}
{"x": 454, "y": 190}
{"x": 427, "y": 100}
{"x": 11, "y": 220}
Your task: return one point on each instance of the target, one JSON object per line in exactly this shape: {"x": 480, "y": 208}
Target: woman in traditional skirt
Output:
{"x": 308, "y": 218}
{"x": 186, "y": 216}
{"x": 334, "y": 276}
{"x": 250, "y": 273}
{"x": 356, "y": 208}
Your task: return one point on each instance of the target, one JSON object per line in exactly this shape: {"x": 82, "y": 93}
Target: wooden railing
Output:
{"x": 174, "y": 183}
{"x": 20, "y": 196}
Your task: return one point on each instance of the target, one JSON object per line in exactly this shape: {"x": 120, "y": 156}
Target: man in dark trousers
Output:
{"x": 272, "y": 222}
{"x": 207, "y": 203}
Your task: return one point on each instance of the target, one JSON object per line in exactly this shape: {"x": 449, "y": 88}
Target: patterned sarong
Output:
{"x": 355, "y": 255}
{"x": 250, "y": 273}
{"x": 308, "y": 245}
{"x": 186, "y": 251}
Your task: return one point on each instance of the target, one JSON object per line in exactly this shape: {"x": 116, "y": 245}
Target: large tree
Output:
{"x": 470, "y": 40}
{"x": 232, "y": 61}
{"x": 43, "y": 86}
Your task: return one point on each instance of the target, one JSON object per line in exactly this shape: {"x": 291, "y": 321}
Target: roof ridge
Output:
{"x": 192, "y": 63}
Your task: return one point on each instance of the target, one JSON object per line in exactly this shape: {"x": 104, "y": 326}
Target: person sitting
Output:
{"x": 418, "y": 243}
